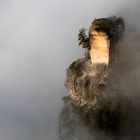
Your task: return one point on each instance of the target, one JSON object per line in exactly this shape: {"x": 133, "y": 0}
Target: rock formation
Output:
{"x": 94, "y": 104}
{"x": 105, "y": 34}
{"x": 100, "y": 46}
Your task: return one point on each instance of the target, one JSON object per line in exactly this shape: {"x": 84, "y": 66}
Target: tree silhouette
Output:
{"x": 83, "y": 39}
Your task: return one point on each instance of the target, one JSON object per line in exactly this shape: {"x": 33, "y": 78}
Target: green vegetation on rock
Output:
{"x": 83, "y": 39}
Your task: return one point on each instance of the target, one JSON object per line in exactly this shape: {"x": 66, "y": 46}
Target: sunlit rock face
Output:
{"x": 99, "y": 50}
{"x": 105, "y": 34}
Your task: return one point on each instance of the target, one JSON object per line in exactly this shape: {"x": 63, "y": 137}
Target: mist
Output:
{"x": 38, "y": 40}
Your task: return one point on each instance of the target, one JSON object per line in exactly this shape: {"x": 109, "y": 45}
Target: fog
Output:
{"x": 38, "y": 40}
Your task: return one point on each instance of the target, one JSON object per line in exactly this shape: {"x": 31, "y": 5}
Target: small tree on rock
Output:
{"x": 83, "y": 39}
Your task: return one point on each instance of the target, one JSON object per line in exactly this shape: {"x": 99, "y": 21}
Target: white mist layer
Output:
{"x": 38, "y": 40}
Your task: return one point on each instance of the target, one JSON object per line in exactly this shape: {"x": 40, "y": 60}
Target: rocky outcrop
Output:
{"x": 95, "y": 107}
{"x": 86, "y": 83}
{"x": 92, "y": 102}
{"x": 105, "y": 34}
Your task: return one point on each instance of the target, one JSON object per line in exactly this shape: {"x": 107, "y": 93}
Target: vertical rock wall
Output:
{"x": 100, "y": 45}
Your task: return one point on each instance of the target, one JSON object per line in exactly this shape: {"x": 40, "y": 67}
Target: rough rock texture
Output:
{"x": 86, "y": 83}
{"x": 93, "y": 104}
{"x": 96, "y": 108}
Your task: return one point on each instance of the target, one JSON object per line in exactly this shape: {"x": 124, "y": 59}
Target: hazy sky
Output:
{"x": 38, "y": 40}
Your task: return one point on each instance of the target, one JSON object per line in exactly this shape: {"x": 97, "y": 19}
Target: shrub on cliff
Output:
{"x": 83, "y": 39}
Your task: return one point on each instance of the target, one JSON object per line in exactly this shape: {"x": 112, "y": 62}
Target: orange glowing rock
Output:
{"x": 104, "y": 33}
{"x": 99, "y": 51}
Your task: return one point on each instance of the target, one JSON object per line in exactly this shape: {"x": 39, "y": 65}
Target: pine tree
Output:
{"x": 83, "y": 39}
